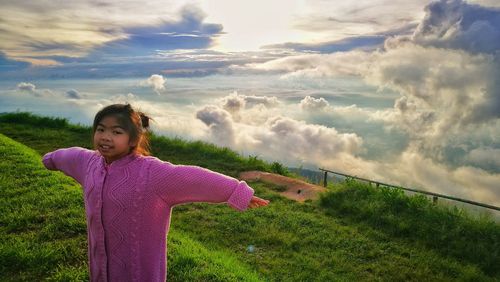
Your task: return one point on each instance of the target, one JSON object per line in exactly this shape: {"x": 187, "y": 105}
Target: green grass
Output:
{"x": 353, "y": 232}
{"x": 304, "y": 242}
{"x": 191, "y": 261}
{"x": 42, "y": 222}
{"x": 449, "y": 231}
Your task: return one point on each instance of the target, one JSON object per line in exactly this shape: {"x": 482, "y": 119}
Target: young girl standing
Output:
{"x": 129, "y": 196}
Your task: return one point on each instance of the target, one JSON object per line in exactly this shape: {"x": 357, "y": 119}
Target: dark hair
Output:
{"x": 135, "y": 123}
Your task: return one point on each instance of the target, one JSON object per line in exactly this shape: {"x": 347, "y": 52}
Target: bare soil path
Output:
{"x": 296, "y": 189}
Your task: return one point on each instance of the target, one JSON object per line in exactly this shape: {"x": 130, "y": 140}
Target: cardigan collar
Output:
{"x": 123, "y": 161}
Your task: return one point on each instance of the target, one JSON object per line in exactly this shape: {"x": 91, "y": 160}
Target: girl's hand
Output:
{"x": 256, "y": 202}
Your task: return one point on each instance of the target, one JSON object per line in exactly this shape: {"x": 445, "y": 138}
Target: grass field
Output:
{"x": 354, "y": 232}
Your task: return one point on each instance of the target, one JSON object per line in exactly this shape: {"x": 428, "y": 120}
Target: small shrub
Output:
{"x": 278, "y": 168}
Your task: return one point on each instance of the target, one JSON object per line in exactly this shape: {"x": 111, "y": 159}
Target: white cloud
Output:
{"x": 268, "y": 102}
{"x": 123, "y": 99}
{"x": 343, "y": 18}
{"x": 220, "y": 124}
{"x": 73, "y": 94}
{"x": 312, "y": 141}
{"x": 320, "y": 107}
{"x": 312, "y": 104}
{"x": 317, "y": 65}
{"x": 439, "y": 95}
{"x": 247, "y": 107}
{"x": 31, "y": 89}
{"x": 355, "y": 112}
{"x": 25, "y": 86}
{"x": 234, "y": 103}
{"x": 278, "y": 137}
{"x": 156, "y": 81}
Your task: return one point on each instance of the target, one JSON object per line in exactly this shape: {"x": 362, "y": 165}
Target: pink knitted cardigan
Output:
{"x": 128, "y": 206}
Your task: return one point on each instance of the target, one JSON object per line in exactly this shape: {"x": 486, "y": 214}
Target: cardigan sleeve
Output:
{"x": 178, "y": 184}
{"x": 71, "y": 161}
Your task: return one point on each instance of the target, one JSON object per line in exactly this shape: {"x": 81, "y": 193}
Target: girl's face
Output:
{"x": 111, "y": 140}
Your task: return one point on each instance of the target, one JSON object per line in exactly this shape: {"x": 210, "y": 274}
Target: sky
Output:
{"x": 404, "y": 92}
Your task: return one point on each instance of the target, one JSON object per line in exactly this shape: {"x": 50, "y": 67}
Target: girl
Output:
{"x": 129, "y": 196}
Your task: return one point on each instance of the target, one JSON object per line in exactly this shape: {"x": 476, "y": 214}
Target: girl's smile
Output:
{"x": 105, "y": 148}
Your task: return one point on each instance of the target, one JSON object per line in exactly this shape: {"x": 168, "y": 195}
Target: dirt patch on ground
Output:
{"x": 296, "y": 189}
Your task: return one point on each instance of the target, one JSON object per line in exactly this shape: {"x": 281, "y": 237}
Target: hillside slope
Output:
{"x": 352, "y": 233}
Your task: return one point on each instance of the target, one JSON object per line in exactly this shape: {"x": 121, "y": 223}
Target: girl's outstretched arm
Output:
{"x": 178, "y": 184}
{"x": 71, "y": 161}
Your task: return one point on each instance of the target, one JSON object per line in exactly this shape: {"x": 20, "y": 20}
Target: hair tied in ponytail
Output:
{"x": 144, "y": 120}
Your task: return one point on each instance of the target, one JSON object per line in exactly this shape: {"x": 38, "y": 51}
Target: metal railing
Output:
{"x": 435, "y": 196}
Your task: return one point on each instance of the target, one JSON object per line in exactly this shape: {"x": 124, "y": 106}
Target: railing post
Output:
{"x": 434, "y": 200}
{"x": 324, "y": 179}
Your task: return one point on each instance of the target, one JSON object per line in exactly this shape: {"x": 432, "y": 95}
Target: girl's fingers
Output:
{"x": 258, "y": 202}
{"x": 257, "y": 199}
{"x": 263, "y": 202}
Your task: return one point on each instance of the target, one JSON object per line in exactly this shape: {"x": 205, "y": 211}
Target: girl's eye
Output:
{"x": 117, "y": 132}
{"x": 100, "y": 129}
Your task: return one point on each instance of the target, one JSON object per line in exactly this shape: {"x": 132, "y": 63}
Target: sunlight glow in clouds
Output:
{"x": 252, "y": 24}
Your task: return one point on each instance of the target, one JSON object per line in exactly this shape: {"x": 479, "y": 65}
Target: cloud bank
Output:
{"x": 443, "y": 91}
{"x": 281, "y": 137}
{"x": 446, "y": 73}
{"x": 456, "y": 24}
{"x": 54, "y": 33}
